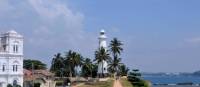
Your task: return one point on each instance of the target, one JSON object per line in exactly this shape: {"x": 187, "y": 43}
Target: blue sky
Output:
{"x": 158, "y": 35}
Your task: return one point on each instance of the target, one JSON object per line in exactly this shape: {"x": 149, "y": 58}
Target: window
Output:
{"x": 15, "y": 68}
{"x": 4, "y": 68}
{"x": 15, "y": 83}
{"x": 15, "y": 48}
{"x": 4, "y": 47}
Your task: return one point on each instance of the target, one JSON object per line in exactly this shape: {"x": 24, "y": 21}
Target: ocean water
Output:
{"x": 172, "y": 79}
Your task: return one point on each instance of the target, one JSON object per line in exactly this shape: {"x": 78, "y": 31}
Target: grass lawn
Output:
{"x": 108, "y": 83}
{"x": 125, "y": 82}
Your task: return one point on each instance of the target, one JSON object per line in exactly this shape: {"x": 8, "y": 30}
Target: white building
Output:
{"x": 102, "y": 43}
{"x": 11, "y": 59}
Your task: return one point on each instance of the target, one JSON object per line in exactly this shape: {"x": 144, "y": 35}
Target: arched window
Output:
{"x": 16, "y": 47}
{"x": 15, "y": 66}
{"x": 14, "y": 83}
{"x": 4, "y": 47}
{"x": 4, "y": 68}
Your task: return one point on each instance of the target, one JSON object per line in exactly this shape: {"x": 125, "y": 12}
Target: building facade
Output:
{"x": 11, "y": 59}
{"x": 102, "y": 43}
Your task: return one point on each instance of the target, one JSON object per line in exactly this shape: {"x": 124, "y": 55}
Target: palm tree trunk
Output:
{"x": 102, "y": 69}
{"x": 91, "y": 72}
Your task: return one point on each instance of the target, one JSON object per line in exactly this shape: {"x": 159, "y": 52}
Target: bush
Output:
{"x": 59, "y": 83}
{"x": 36, "y": 84}
{"x": 9, "y": 85}
{"x": 135, "y": 78}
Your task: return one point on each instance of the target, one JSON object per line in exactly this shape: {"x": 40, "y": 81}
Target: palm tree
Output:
{"x": 87, "y": 67}
{"x": 57, "y": 63}
{"x": 115, "y": 49}
{"x": 102, "y": 55}
{"x": 124, "y": 70}
{"x": 115, "y": 65}
{"x": 73, "y": 60}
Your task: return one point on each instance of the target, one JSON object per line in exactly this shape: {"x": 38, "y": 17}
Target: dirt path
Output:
{"x": 117, "y": 84}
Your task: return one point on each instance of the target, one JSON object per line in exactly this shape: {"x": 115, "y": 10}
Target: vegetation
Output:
{"x": 36, "y": 64}
{"x": 135, "y": 78}
{"x": 125, "y": 82}
{"x": 100, "y": 56}
{"x": 73, "y": 59}
{"x": 9, "y": 85}
{"x": 124, "y": 70}
{"x": 87, "y": 68}
{"x": 57, "y": 65}
{"x": 115, "y": 49}
{"x": 108, "y": 83}
{"x": 65, "y": 66}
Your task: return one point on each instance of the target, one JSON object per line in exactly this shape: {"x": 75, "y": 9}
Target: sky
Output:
{"x": 158, "y": 35}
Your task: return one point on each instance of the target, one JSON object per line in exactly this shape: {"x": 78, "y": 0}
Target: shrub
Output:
{"x": 9, "y": 85}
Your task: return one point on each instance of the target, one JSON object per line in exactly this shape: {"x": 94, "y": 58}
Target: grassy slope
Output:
{"x": 108, "y": 83}
{"x": 125, "y": 82}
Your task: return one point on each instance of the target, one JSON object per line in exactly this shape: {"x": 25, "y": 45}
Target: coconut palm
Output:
{"x": 115, "y": 65}
{"x": 102, "y": 55}
{"x": 56, "y": 64}
{"x": 124, "y": 70}
{"x": 73, "y": 60}
{"x": 87, "y": 67}
{"x": 115, "y": 49}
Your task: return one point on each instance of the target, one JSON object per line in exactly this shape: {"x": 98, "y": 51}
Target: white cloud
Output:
{"x": 195, "y": 40}
{"x": 48, "y": 26}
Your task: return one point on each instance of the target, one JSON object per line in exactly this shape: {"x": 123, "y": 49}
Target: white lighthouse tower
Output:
{"x": 102, "y": 43}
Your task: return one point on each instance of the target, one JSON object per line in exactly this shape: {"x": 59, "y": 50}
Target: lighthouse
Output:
{"x": 102, "y": 43}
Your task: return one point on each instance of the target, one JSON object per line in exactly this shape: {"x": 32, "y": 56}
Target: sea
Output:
{"x": 171, "y": 80}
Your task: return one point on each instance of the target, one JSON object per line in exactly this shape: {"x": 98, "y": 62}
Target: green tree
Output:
{"x": 36, "y": 64}
{"x": 135, "y": 78}
{"x": 57, "y": 65}
{"x": 9, "y": 85}
{"x": 73, "y": 59}
{"x": 124, "y": 70}
{"x": 100, "y": 56}
{"x": 87, "y": 67}
{"x": 115, "y": 49}
{"x": 114, "y": 66}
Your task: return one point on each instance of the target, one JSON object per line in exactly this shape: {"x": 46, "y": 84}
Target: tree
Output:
{"x": 115, "y": 49}
{"x": 57, "y": 65}
{"x": 36, "y": 64}
{"x": 102, "y": 55}
{"x": 73, "y": 59}
{"x": 114, "y": 66}
{"x": 87, "y": 67}
{"x": 9, "y": 85}
{"x": 124, "y": 70}
{"x": 135, "y": 78}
